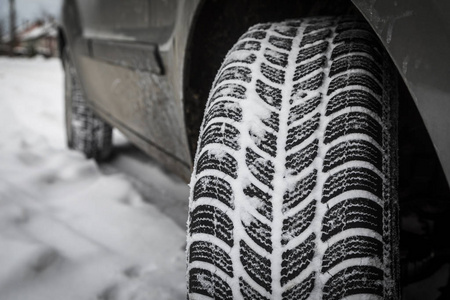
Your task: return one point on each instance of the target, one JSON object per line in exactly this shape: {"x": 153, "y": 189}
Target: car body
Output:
{"x": 147, "y": 65}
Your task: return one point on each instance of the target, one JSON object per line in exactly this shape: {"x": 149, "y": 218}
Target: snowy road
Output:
{"x": 70, "y": 229}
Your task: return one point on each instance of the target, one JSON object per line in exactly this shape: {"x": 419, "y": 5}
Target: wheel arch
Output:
{"x": 392, "y": 22}
{"x": 417, "y": 37}
{"x": 217, "y": 25}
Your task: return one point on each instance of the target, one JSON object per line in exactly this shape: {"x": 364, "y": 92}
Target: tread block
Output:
{"x": 211, "y": 254}
{"x": 205, "y": 283}
{"x": 351, "y": 247}
{"x": 210, "y": 220}
{"x": 297, "y": 259}
{"x": 223, "y": 162}
{"x": 356, "y": 47}
{"x": 267, "y": 142}
{"x": 224, "y": 109}
{"x": 309, "y": 52}
{"x": 273, "y": 121}
{"x": 265, "y": 205}
{"x": 221, "y": 133}
{"x": 263, "y": 169}
{"x": 353, "y": 98}
{"x": 296, "y": 135}
{"x": 352, "y": 213}
{"x": 356, "y": 36}
{"x": 353, "y": 281}
{"x": 352, "y": 25}
{"x": 229, "y": 90}
{"x": 307, "y": 106}
{"x": 302, "y": 290}
{"x": 353, "y": 122}
{"x": 257, "y": 35}
{"x": 315, "y": 37}
{"x": 303, "y": 70}
{"x": 273, "y": 74}
{"x": 276, "y": 57}
{"x": 349, "y": 63}
{"x": 215, "y": 188}
{"x": 281, "y": 43}
{"x": 247, "y": 45}
{"x": 269, "y": 94}
{"x": 355, "y": 178}
{"x": 235, "y": 73}
{"x": 256, "y": 266}
{"x": 355, "y": 79}
{"x": 352, "y": 150}
{"x": 294, "y": 226}
{"x": 310, "y": 84}
{"x": 286, "y": 30}
{"x": 260, "y": 233}
{"x": 248, "y": 292}
{"x": 249, "y": 59}
{"x": 316, "y": 27}
{"x": 302, "y": 189}
{"x": 298, "y": 161}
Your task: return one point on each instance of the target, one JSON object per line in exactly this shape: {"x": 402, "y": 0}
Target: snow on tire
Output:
{"x": 293, "y": 192}
{"x": 85, "y": 131}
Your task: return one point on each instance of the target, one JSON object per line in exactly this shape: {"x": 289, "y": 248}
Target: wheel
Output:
{"x": 85, "y": 131}
{"x": 293, "y": 193}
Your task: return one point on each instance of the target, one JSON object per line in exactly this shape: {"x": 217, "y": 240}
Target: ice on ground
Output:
{"x": 67, "y": 231}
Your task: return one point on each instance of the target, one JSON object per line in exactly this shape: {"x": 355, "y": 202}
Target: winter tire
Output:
{"x": 85, "y": 131}
{"x": 293, "y": 194}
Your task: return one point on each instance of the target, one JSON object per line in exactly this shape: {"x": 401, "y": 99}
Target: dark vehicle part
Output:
{"x": 85, "y": 131}
{"x": 293, "y": 194}
{"x": 416, "y": 34}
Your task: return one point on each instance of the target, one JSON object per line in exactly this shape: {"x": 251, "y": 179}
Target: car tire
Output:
{"x": 293, "y": 193}
{"x": 85, "y": 131}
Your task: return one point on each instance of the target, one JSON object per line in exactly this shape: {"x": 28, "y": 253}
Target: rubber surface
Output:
{"x": 293, "y": 194}
{"x": 86, "y": 132}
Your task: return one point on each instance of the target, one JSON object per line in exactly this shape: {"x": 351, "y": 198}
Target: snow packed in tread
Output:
{"x": 300, "y": 291}
{"x": 210, "y": 220}
{"x": 248, "y": 292}
{"x": 212, "y": 254}
{"x": 293, "y": 143}
{"x": 297, "y": 259}
{"x": 351, "y": 247}
{"x": 224, "y": 163}
{"x": 257, "y": 266}
{"x": 214, "y": 187}
{"x": 205, "y": 283}
{"x": 352, "y": 213}
{"x": 353, "y": 281}
{"x": 294, "y": 196}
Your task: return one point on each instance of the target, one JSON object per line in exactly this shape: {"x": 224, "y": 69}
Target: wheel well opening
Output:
{"x": 218, "y": 25}
{"x": 424, "y": 192}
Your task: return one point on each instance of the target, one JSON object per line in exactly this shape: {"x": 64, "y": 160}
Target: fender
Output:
{"x": 416, "y": 35}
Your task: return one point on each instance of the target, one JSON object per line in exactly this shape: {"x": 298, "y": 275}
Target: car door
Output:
{"x": 123, "y": 76}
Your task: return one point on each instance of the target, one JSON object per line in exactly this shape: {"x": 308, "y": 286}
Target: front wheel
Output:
{"x": 293, "y": 194}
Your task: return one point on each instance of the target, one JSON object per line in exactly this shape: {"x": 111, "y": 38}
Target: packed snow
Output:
{"x": 68, "y": 229}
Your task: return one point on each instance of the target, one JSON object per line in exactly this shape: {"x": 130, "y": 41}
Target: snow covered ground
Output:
{"x": 68, "y": 230}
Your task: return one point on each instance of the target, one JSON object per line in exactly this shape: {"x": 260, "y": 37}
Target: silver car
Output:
{"x": 286, "y": 117}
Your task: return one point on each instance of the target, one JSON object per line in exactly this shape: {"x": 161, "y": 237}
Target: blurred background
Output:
{"x": 28, "y": 27}
{"x": 33, "y": 258}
